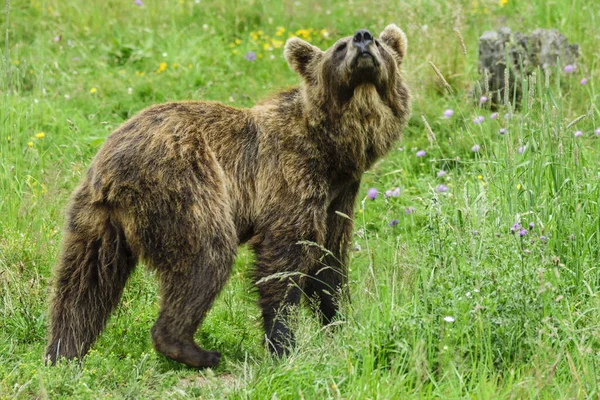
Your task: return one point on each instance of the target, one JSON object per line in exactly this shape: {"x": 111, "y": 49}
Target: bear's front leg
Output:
{"x": 327, "y": 281}
{"x": 285, "y": 254}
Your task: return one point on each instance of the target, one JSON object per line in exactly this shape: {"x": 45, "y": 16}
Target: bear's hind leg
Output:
{"x": 188, "y": 290}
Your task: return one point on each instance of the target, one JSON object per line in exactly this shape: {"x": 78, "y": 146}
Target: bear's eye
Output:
{"x": 341, "y": 47}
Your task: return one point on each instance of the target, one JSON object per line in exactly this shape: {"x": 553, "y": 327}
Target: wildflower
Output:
{"x": 569, "y": 68}
{"x": 138, "y": 3}
{"x": 521, "y": 149}
{"x": 475, "y": 233}
{"x": 531, "y": 225}
{"x": 578, "y": 133}
{"x": 494, "y": 115}
{"x": 324, "y": 33}
{"x": 372, "y": 193}
{"x": 482, "y": 99}
{"x": 388, "y": 193}
{"x": 250, "y": 56}
{"x": 478, "y": 120}
{"x": 40, "y": 135}
{"x": 280, "y": 31}
{"x": 57, "y": 38}
{"x": 503, "y": 3}
{"x": 421, "y": 153}
{"x": 583, "y": 81}
{"x": 523, "y": 232}
{"x": 480, "y": 177}
{"x": 409, "y": 210}
{"x": 448, "y": 113}
{"x": 129, "y": 90}
{"x": 161, "y": 67}
{"x": 475, "y": 148}
{"x": 543, "y": 239}
{"x": 393, "y": 222}
{"x": 441, "y": 173}
{"x": 598, "y": 132}
{"x": 30, "y": 144}
{"x": 442, "y": 188}
{"x": 449, "y": 319}
{"x": 93, "y": 90}
{"x": 515, "y": 228}
{"x": 518, "y": 186}
{"x": 396, "y": 192}
{"x": 502, "y": 131}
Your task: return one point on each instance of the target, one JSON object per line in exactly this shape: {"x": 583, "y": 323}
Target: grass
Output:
{"x": 525, "y": 311}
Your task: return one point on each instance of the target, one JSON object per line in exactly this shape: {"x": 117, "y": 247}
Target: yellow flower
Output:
{"x": 238, "y": 41}
{"x": 503, "y": 3}
{"x": 267, "y": 47}
{"x": 276, "y": 43}
{"x": 304, "y": 33}
{"x": 161, "y": 67}
{"x": 234, "y": 51}
{"x": 519, "y": 186}
{"x": 175, "y": 65}
{"x": 93, "y": 90}
{"x": 30, "y": 144}
{"x": 9, "y": 138}
{"x": 280, "y": 31}
{"x": 189, "y": 65}
{"x": 324, "y": 33}
{"x": 40, "y": 135}
{"x": 479, "y": 177}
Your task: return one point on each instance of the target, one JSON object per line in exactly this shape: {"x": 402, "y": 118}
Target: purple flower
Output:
{"x": 138, "y": 2}
{"x": 250, "y": 56}
{"x": 475, "y": 148}
{"x": 478, "y": 120}
{"x": 515, "y": 228}
{"x": 583, "y": 81}
{"x": 475, "y": 233}
{"x": 543, "y": 239}
{"x": 393, "y": 222}
{"x": 502, "y": 131}
{"x": 531, "y": 225}
{"x": 569, "y": 68}
{"x": 482, "y": 99}
{"x": 372, "y": 193}
{"x": 521, "y": 149}
{"x": 448, "y": 113}
{"x": 494, "y": 115}
{"x": 442, "y": 188}
{"x": 387, "y": 194}
{"x": 598, "y": 132}
{"x": 441, "y": 173}
{"x": 410, "y": 210}
{"x": 578, "y": 133}
{"x": 523, "y": 232}
{"x": 421, "y": 153}
{"x": 57, "y": 38}
{"x": 396, "y": 192}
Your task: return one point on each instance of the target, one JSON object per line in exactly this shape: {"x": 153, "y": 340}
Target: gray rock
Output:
{"x": 502, "y": 51}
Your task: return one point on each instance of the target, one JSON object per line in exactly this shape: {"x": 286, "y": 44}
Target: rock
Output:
{"x": 521, "y": 55}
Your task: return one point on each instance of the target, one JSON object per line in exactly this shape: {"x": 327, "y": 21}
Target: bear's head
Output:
{"x": 359, "y": 60}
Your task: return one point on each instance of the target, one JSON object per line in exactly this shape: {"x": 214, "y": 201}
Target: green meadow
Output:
{"x": 481, "y": 281}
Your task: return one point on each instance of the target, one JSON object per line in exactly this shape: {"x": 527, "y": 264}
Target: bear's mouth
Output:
{"x": 365, "y": 60}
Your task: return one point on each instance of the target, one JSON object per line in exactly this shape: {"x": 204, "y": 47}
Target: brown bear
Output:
{"x": 182, "y": 185}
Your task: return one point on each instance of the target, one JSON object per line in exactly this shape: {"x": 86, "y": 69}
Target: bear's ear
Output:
{"x": 395, "y": 38}
{"x": 299, "y": 54}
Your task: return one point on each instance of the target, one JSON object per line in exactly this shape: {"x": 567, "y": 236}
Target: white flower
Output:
{"x": 449, "y": 319}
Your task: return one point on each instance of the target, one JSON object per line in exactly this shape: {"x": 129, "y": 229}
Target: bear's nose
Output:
{"x": 362, "y": 39}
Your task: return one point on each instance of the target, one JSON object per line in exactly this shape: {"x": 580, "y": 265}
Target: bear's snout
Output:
{"x": 362, "y": 40}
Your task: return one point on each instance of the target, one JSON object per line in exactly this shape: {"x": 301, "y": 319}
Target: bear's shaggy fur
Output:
{"x": 181, "y": 185}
